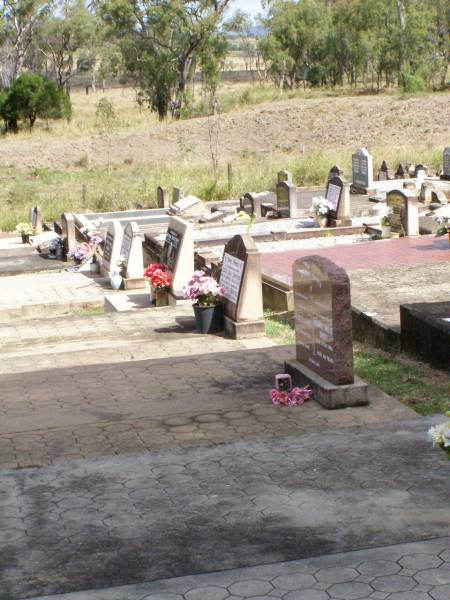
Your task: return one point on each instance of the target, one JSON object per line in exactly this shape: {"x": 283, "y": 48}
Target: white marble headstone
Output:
{"x": 131, "y": 251}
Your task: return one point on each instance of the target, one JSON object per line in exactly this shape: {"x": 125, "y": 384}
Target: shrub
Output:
{"x": 413, "y": 84}
{"x": 31, "y": 97}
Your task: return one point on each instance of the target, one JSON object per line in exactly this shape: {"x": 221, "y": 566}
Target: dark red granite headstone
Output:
{"x": 323, "y": 319}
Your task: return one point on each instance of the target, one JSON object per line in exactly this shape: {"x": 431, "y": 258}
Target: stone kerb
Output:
{"x": 241, "y": 279}
{"x": 404, "y": 209}
{"x": 323, "y": 326}
{"x": 111, "y": 248}
{"x": 132, "y": 255}
{"x": 178, "y": 255}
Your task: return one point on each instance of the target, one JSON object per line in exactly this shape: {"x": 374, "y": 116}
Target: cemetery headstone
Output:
{"x": 323, "y": 326}
{"x": 241, "y": 280}
{"x": 338, "y": 194}
{"x": 335, "y": 171}
{"x": 178, "y": 255}
{"x": 446, "y": 165}
{"x": 68, "y": 227}
{"x": 362, "y": 169}
{"x": 36, "y": 219}
{"x": 286, "y": 198}
{"x": 162, "y": 197}
{"x": 247, "y": 205}
{"x": 112, "y": 247}
{"x": 132, "y": 255}
{"x": 177, "y": 194}
{"x": 284, "y": 176}
{"x": 400, "y": 173}
{"x": 383, "y": 173}
{"x": 404, "y": 212}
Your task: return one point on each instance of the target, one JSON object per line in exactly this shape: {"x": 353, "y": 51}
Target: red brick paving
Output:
{"x": 406, "y": 251}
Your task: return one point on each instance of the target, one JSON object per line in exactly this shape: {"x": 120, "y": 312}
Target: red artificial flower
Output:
{"x": 150, "y": 270}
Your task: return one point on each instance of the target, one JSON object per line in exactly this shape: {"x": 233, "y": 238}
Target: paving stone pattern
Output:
{"x": 123, "y": 520}
{"x": 415, "y": 571}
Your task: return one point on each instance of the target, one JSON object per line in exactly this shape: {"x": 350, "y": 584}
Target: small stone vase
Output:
{"x": 321, "y": 221}
{"x": 160, "y": 296}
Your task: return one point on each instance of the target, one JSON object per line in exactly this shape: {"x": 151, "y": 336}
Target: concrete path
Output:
{"x": 121, "y": 520}
{"x": 414, "y": 571}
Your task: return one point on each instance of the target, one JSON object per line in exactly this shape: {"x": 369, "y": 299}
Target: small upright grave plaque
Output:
{"x": 241, "y": 280}
{"x": 286, "y": 197}
{"x": 247, "y": 205}
{"x": 446, "y": 165}
{"x": 178, "y": 255}
{"x": 162, "y": 197}
{"x": 132, "y": 256}
{"x": 420, "y": 172}
{"x": 323, "y": 325}
{"x": 112, "y": 247}
{"x": 68, "y": 229}
{"x": 362, "y": 169}
{"x": 404, "y": 212}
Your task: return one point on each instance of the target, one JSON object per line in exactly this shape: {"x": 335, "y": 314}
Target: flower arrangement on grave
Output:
{"x": 321, "y": 207}
{"x": 25, "y": 228}
{"x": 439, "y": 435}
{"x": 80, "y": 252}
{"x": 203, "y": 289}
{"x": 241, "y": 216}
{"x": 158, "y": 276}
{"x": 385, "y": 214}
{"x": 444, "y": 225}
{"x": 295, "y": 397}
{"x": 208, "y": 310}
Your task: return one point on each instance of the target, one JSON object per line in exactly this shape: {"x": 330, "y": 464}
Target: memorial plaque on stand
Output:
{"x": 333, "y": 194}
{"x": 132, "y": 255}
{"x": 162, "y": 198}
{"x": 383, "y": 173}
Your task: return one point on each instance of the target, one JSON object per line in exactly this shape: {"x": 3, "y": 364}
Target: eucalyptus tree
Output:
{"x": 163, "y": 42}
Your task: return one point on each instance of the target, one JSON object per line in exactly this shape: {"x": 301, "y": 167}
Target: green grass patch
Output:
{"x": 123, "y": 186}
{"x": 423, "y": 389}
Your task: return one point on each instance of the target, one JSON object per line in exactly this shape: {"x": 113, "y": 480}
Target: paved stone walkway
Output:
{"x": 401, "y": 252}
{"x": 122, "y": 520}
{"x": 415, "y": 571}
{"x": 81, "y": 387}
{"x": 46, "y": 294}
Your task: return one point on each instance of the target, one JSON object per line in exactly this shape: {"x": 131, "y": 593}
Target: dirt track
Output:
{"x": 280, "y": 126}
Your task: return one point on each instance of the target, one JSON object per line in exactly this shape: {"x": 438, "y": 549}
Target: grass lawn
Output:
{"x": 425, "y": 390}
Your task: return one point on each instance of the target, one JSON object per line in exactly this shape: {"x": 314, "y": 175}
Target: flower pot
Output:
{"x": 209, "y": 319}
{"x": 116, "y": 281}
{"x": 161, "y": 297}
{"x": 385, "y": 231}
{"x": 321, "y": 221}
{"x": 25, "y": 238}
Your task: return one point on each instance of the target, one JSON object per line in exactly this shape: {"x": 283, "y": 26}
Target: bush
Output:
{"x": 31, "y": 97}
{"x": 413, "y": 84}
